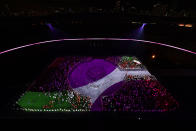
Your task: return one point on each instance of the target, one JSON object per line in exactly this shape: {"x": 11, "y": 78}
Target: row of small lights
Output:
{"x": 185, "y": 25}
{"x": 54, "y": 110}
{"x": 180, "y": 25}
{"x": 137, "y": 22}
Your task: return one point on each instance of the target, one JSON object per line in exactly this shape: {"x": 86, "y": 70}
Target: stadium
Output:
{"x": 95, "y": 84}
{"x": 90, "y": 63}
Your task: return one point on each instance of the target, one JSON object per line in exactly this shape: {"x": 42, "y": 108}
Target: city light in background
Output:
{"x": 185, "y": 25}
{"x": 153, "y": 56}
{"x": 189, "y": 25}
{"x": 181, "y": 25}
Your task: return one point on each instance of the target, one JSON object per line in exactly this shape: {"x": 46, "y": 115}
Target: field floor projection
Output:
{"x": 114, "y": 83}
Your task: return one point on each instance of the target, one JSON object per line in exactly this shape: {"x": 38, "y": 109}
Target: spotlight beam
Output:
{"x": 83, "y": 39}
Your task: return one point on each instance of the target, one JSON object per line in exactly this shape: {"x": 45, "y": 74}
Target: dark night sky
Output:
{"x": 102, "y": 3}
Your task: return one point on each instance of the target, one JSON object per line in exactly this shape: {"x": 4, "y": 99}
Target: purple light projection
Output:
{"x": 81, "y": 39}
{"x": 140, "y": 31}
{"x": 91, "y": 71}
{"x": 50, "y": 26}
{"x": 143, "y": 25}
